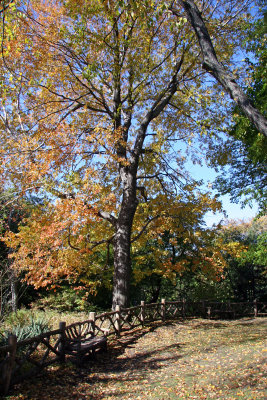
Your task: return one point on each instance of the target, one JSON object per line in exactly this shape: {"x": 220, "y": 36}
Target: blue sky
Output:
{"x": 233, "y": 210}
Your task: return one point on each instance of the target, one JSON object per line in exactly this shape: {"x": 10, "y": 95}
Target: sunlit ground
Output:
{"x": 195, "y": 359}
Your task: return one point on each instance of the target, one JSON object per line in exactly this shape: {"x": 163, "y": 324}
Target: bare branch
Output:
{"x": 107, "y": 216}
{"x": 69, "y": 243}
{"x": 98, "y": 243}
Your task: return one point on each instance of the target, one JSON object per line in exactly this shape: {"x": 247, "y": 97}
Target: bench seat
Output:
{"x": 85, "y": 345}
{"x": 79, "y": 348}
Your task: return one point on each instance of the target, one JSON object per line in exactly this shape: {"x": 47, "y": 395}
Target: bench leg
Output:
{"x": 93, "y": 354}
{"x": 105, "y": 347}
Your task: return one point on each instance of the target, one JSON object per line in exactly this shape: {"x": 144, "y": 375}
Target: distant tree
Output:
{"x": 187, "y": 261}
{"x": 11, "y": 214}
{"x": 247, "y": 273}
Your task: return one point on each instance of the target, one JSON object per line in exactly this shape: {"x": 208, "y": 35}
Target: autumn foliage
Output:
{"x": 100, "y": 104}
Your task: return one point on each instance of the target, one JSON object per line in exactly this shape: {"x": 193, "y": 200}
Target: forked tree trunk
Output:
{"x": 128, "y": 174}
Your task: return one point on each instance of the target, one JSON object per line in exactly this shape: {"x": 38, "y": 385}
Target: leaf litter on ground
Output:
{"x": 189, "y": 359}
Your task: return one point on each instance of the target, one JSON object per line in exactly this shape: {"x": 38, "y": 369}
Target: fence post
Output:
{"x": 92, "y": 318}
{"x": 255, "y": 308}
{"x": 142, "y": 313}
{"x": 183, "y": 307}
{"x": 203, "y": 308}
{"x": 61, "y": 346}
{"x": 7, "y": 373}
{"x": 209, "y": 312}
{"x": 163, "y": 309}
{"x": 117, "y": 323}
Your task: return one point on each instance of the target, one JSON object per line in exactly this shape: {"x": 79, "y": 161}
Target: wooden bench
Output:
{"x": 81, "y": 347}
{"x": 80, "y": 343}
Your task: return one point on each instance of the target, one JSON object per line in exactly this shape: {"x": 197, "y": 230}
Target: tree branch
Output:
{"x": 5, "y": 7}
{"x": 144, "y": 228}
{"x": 215, "y": 68}
{"x": 108, "y": 241}
{"x": 109, "y": 217}
{"x": 160, "y": 103}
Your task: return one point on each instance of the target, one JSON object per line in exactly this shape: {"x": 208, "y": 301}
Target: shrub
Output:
{"x": 66, "y": 299}
{"x": 24, "y": 330}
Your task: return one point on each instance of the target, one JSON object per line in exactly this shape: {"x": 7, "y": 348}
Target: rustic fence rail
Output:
{"x": 19, "y": 360}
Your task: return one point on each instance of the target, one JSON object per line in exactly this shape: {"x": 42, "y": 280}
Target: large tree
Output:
{"x": 97, "y": 96}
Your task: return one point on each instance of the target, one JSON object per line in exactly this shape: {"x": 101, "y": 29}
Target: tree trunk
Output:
{"x": 14, "y": 290}
{"x": 122, "y": 266}
{"x": 122, "y": 240}
{"x": 124, "y": 222}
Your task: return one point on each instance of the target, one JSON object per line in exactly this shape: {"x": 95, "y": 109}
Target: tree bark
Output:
{"x": 122, "y": 240}
{"x": 215, "y": 68}
{"x": 14, "y": 290}
{"x": 122, "y": 266}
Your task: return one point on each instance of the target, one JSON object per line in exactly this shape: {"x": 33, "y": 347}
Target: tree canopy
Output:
{"x": 99, "y": 101}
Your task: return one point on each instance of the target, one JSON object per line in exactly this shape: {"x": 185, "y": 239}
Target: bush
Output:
{"x": 66, "y": 299}
{"x": 19, "y": 318}
{"x": 25, "y": 328}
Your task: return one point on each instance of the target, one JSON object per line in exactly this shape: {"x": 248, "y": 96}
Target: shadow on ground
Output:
{"x": 130, "y": 360}
{"x": 63, "y": 382}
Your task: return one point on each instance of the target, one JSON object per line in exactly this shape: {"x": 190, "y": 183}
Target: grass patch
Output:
{"x": 196, "y": 359}
{"x": 24, "y": 316}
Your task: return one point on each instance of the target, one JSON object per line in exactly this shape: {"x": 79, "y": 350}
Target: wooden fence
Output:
{"x": 19, "y": 360}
